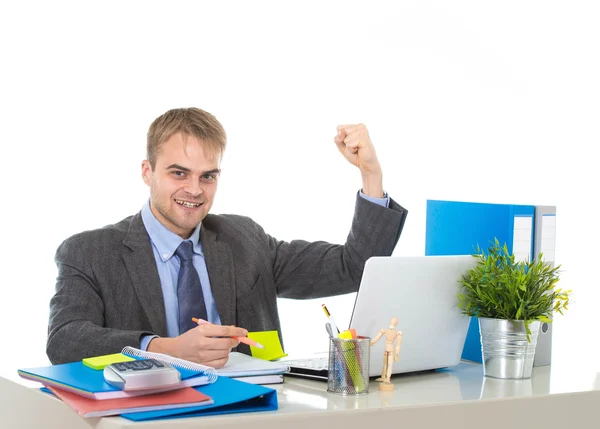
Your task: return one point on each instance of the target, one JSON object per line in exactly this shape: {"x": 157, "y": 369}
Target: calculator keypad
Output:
{"x": 138, "y": 365}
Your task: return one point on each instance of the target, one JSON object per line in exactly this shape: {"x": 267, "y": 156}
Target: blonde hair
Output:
{"x": 190, "y": 122}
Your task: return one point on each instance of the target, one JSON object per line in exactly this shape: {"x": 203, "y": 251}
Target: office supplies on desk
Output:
{"x": 330, "y": 318}
{"x": 457, "y": 228}
{"x": 261, "y": 379}
{"x": 414, "y": 286}
{"x": 272, "y": 349}
{"x": 329, "y": 330}
{"x": 544, "y": 243}
{"x": 238, "y": 365}
{"x": 141, "y": 374}
{"x": 349, "y": 365}
{"x": 180, "y": 364}
{"x": 82, "y": 380}
{"x": 87, "y": 408}
{"x": 348, "y": 334}
{"x": 229, "y": 396}
{"x": 244, "y": 340}
{"x": 241, "y": 365}
{"x": 352, "y": 356}
{"x": 100, "y": 362}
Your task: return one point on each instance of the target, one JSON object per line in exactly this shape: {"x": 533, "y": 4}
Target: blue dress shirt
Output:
{"x": 164, "y": 243}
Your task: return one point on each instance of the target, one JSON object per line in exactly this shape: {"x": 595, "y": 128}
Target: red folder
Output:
{"x": 86, "y": 407}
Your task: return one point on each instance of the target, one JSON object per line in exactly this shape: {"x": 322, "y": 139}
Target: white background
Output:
{"x": 464, "y": 100}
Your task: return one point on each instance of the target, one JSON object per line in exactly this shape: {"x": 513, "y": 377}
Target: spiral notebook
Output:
{"x": 239, "y": 365}
{"x": 180, "y": 364}
{"x": 85, "y": 381}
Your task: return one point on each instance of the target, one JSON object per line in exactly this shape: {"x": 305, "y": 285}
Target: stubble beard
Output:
{"x": 173, "y": 220}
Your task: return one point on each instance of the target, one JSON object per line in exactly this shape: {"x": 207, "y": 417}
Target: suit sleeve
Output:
{"x": 305, "y": 270}
{"x": 76, "y": 324}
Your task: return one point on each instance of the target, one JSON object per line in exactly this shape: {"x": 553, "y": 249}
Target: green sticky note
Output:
{"x": 99, "y": 362}
{"x": 270, "y": 340}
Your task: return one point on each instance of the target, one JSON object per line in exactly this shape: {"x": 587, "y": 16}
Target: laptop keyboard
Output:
{"x": 312, "y": 363}
{"x": 309, "y": 367}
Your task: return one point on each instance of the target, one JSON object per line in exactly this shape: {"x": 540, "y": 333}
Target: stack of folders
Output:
{"x": 202, "y": 390}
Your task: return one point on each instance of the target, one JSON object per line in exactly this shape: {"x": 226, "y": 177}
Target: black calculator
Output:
{"x": 141, "y": 374}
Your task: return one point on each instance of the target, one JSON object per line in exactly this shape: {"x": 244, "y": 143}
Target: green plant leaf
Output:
{"x": 499, "y": 287}
{"x": 544, "y": 319}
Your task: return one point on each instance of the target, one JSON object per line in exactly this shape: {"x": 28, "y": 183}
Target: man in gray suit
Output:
{"x": 122, "y": 285}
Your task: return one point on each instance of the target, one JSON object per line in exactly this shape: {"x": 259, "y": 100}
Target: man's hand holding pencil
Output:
{"x": 242, "y": 339}
{"x": 206, "y": 344}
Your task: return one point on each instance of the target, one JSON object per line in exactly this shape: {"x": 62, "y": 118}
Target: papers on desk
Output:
{"x": 241, "y": 365}
{"x": 261, "y": 379}
{"x": 252, "y": 370}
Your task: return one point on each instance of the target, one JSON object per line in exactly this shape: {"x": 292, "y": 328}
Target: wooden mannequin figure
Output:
{"x": 392, "y": 335}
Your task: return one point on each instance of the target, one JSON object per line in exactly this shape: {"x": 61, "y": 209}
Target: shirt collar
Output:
{"x": 165, "y": 240}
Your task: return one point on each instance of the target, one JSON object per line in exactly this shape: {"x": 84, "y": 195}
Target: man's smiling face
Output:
{"x": 183, "y": 183}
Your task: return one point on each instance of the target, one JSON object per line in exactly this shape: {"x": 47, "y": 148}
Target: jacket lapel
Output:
{"x": 144, "y": 275}
{"x": 219, "y": 263}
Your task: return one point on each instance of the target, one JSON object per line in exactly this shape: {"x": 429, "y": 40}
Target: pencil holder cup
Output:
{"x": 348, "y": 372}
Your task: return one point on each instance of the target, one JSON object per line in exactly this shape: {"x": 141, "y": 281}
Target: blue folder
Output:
{"x": 229, "y": 396}
{"x": 78, "y": 378}
{"x": 457, "y": 228}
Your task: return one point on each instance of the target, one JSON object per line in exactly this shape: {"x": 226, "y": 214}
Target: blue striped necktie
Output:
{"x": 189, "y": 290}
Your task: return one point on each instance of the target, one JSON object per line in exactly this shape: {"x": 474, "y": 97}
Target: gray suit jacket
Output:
{"x": 108, "y": 293}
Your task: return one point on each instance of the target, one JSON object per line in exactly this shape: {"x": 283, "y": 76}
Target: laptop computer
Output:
{"x": 421, "y": 291}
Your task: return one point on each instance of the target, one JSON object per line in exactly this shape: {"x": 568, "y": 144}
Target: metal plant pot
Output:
{"x": 506, "y": 352}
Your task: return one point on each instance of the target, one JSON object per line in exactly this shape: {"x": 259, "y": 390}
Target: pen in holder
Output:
{"x": 348, "y": 372}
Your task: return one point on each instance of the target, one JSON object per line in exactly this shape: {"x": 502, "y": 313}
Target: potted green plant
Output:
{"x": 510, "y": 300}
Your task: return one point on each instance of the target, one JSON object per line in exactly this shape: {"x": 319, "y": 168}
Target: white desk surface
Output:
{"x": 457, "y": 397}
